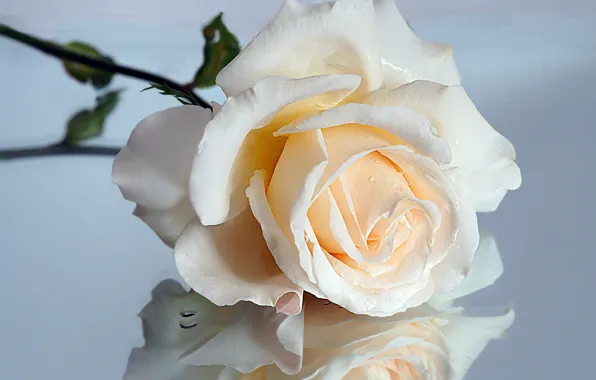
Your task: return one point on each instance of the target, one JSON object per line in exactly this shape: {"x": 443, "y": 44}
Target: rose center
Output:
{"x": 367, "y": 213}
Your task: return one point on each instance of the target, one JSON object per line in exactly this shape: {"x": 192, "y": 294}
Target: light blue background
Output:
{"x": 76, "y": 266}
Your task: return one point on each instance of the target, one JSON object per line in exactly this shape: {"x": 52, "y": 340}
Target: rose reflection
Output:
{"x": 189, "y": 338}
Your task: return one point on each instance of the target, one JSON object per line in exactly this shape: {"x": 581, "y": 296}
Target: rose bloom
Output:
{"x": 346, "y": 162}
{"x": 189, "y": 338}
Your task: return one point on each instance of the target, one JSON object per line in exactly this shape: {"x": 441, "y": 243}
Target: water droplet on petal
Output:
{"x": 372, "y": 180}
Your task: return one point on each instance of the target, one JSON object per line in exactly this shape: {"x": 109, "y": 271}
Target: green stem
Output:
{"x": 62, "y": 53}
{"x": 59, "y": 149}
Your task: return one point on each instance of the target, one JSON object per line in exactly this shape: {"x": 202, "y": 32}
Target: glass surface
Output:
{"x": 77, "y": 267}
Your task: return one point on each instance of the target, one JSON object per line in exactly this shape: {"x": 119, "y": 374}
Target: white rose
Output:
{"x": 324, "y": 342}
{"x": 363, "y": 174}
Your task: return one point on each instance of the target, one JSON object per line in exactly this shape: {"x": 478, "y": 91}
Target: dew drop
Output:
{"x": 372, "y": 180}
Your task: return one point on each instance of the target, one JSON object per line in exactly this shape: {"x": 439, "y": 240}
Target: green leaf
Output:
{"x": 221, "y": 47}
{"x": 101, "y": 79}
{"x": 107, "y": 102}
{"x": 83, "y": 73}
{"x": 82, "y": 126}
{"x": 86, "y": 123}
{"x": 183, "y": 97}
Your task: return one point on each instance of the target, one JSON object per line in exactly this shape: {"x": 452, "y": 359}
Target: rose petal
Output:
{"x": 466, "y": 338}
{"x": 455, "y": 267}
{"x": 403, "y": 124}
{"x": 223, "y": 166}
{"x": 405, "y": 57}
{"x": 292, "y": 186}
{"x": 374, "y": 185}
{"x": 231, "y": 262}
{"x": 487, "y": 267}
{"x": 289, "y": 303}
{"x": 305, "y": 40}
{"x": 457, "y": 237}
{"x": 484, "y": 158}
{"x": 341, "y": 192}
{"x": 167, "y": 224}
{"x": 359, "y": 300}
{"x": 294, "y": 265}
{"x": 340, "y": 231}
{"x": 154, "y": 168}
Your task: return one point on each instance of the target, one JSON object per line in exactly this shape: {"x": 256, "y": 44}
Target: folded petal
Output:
{"x": 457, "y": 238}
{"x": 295, "y": 265}
{"x": 153, "y": 169}
{"x": 290, "y": 194}
{"x": 231, "y": 262}
{"x": 455, "y": 267}
{"x": 486, "y": 268}
{"x": 228, "y": 156}
{"x": 381, "y": 303}
{"x": 484, "y": 158}
{"x": 404, "y": 126}
{"x": 305, "y": 40}
{"x": 168, "y": 223}
{"x": 407, "y": 58}
{"x": 292, "y": 187}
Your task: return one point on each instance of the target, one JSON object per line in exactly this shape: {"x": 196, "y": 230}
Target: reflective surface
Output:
{"x": 77, "y": 267}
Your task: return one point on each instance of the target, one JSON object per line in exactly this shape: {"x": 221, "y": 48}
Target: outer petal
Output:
{"x": 231, "y": 262}
{"x": 305, "y": 40}
{"x": 168, "y": 223}
{"x": 455, "y": 267}
{"x": 154, "y": 168}
{"x": 405, "y": 57}
{"x": 403, "y": 124}
{"x": 223, "y": 165}
{"x": 466, "y": 338}
{"x": 484, "y": 157}
{"x": 487, "y": 267}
